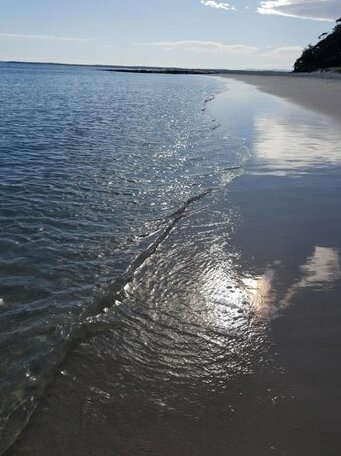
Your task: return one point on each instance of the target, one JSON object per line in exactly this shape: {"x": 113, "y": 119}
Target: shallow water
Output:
{"x": 94, "y": 167}
{"x": 223, "y": 336}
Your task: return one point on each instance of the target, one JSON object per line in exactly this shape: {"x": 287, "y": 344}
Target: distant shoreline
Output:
{"x": 180, "y": 70}
{"x": 154, "y": 70}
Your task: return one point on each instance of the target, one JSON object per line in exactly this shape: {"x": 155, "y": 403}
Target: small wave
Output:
{"x": 90, "y": 322}
{"x": 207, "y": 100}
{"x": 116, "y": 290}
{"x": 215, "y": 126}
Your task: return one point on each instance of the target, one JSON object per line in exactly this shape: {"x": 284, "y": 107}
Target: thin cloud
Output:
{"x": 318, "y": 10}
{"x": 280, "y": 52}
{"x": 43, "y": 37}
{"x": 218, "y": 5}
{"x": 212, "y": 47}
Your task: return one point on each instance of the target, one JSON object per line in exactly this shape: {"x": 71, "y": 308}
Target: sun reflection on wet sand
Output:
{"x": 261, "y": 291}
{"x": 228, "y": 292}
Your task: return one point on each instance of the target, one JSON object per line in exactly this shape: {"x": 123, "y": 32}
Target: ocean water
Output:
{"x": 94, "y": 167}
{"x": 170, "y": 267}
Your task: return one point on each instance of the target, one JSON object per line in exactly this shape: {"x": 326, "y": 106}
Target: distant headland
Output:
{"x": 324, "y": 55}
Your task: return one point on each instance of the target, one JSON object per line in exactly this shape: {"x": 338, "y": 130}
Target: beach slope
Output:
{"x": 321, "y": 93}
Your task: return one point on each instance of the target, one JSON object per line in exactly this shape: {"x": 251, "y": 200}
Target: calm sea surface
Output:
{"x": 92, "y": 163}
{"x": 170, "y": 267}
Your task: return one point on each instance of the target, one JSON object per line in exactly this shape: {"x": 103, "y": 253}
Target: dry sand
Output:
{"x": 319, "y": 93}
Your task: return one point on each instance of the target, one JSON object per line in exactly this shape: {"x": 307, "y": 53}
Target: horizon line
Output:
{"x": 28, "y": 62}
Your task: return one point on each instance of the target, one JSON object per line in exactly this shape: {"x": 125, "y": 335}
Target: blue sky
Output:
{"x": 188, "y": 33}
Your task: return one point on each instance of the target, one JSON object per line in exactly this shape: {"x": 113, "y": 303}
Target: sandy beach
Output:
{"x": 321, "y": 93}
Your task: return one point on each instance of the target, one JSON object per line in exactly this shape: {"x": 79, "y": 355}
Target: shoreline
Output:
{"x": 314, "y": 92}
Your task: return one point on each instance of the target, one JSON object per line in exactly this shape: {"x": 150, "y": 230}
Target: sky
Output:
{"x": 241, "y": 34}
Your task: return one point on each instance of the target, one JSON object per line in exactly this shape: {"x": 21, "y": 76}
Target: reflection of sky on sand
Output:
{"x": 286, "y": 140}
{"x": 283, "y": 138}
{"x": 291, "y": 141}
{"x": 320, "y": 271}
{"x": 322, "y": 267}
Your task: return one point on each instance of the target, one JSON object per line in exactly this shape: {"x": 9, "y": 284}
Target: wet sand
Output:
{"x": 290, "y": 235}
{"x": 320, "y": 93}
{"x": 227, "y": 340}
